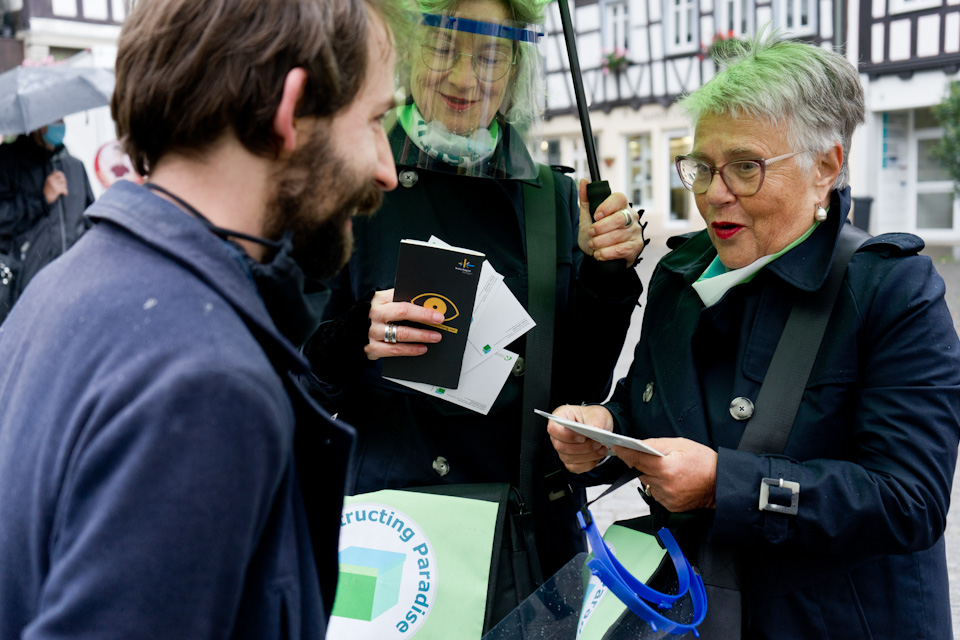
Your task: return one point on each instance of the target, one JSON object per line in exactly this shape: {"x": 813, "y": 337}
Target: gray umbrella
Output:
{"x": 33, "y": 97}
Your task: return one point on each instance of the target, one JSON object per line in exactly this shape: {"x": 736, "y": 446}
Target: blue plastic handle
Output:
{"x": 635, "y": 594}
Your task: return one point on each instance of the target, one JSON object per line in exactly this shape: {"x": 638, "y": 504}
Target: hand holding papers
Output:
{"x": 498, "y": 319}
{"x": 604, "y": 437}
{"x": 445, "y": 279}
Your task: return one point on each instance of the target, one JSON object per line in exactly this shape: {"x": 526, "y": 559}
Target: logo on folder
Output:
{"x": 388, "y": 574}
{"x": 439, "y": 303}
{"x": 465, "y": 266}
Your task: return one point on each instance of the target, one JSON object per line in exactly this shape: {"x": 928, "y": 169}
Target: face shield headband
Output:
{"x": 637, "y": 595}
{"x": 466, "y": 25}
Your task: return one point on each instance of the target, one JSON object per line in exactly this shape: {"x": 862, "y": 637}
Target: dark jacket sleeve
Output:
{"x": 889, "y": 491}
{"x": 161, "y": 509}
{"x": 18, "y": 204}
{"x": 335, "y": 350}
{"x": 591, "y": 330}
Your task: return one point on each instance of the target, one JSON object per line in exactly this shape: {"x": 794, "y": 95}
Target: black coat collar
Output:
{"x": 804, "y": 267}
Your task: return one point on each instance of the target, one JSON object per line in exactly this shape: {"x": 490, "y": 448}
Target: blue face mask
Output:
{"x": 55, "y": 133}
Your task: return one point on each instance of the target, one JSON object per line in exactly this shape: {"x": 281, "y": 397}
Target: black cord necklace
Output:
{"x": 220, "y": 231}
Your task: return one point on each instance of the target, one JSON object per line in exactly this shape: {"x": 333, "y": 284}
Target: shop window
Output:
{"x": 640, "y": 170}
{"x": 680, "y": 198}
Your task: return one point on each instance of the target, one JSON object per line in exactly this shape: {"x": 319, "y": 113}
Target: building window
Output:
{"x": 581, "y": 168}
{"x": 735, "y": 16}
{"x": 681, "y": 26}
{"x": 795, "y": 17}
{"x": 550, "y": 152}
{"x": 95, "y": 10}
{"x": 936, "y": 205}
{"x": 640, "y": 171}
{"x": 906, "y": 6}
{"x": 64, "y": 8}
{"x": 616, "y": 25}
{"x": 680, "y": 198}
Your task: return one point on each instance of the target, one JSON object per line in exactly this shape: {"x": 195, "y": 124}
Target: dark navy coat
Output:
{"x": 149, "y": 482}
{"x": 873, "y": 446}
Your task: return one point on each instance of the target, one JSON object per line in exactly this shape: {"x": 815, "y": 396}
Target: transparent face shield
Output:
{"x": 473, "y": 98}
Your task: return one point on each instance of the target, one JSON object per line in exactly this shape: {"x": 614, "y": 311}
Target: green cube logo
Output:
{"x": 369, "y": 582}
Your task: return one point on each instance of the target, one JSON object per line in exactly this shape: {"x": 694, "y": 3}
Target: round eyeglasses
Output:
{"x": 742, "y": 177}
{"x": 489, "y": 66}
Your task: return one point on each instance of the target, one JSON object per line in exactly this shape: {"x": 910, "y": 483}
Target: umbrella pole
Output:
{"x": 577, "y": 77}
{"x": 598, "y": 190}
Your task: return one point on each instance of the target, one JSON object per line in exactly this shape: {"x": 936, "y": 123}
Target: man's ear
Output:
{"x": 284, "y": 119}
{"x": 828, "y": 167}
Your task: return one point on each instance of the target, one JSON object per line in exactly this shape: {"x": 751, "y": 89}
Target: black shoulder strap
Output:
{"x": 769, "y": 428}
{"x": 541, "y": 240}
{"x": 786, "y": 378}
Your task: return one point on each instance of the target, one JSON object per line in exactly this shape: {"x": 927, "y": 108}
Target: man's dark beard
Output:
{"x": 314, "y": 198}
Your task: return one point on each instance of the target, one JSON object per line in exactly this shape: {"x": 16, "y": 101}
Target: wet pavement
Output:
{"x": 625, "y": 503}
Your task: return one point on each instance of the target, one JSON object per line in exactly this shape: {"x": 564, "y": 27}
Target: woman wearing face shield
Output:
{"x": 460, "y": 139}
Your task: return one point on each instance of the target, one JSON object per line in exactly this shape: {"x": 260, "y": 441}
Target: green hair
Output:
{"x": 400, "y": 18}
{"x": 813, "y": 91}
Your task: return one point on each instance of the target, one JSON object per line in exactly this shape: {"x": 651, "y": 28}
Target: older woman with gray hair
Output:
{"x": 829, "y": 523}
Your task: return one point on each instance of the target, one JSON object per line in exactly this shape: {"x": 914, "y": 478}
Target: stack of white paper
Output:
{"x": 498, "y": 320}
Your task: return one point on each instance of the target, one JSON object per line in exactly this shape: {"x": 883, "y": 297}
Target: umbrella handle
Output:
{"x": 597, "y": 192}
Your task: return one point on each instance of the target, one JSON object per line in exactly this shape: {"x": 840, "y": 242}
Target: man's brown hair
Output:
{"x": 188, "y": 70}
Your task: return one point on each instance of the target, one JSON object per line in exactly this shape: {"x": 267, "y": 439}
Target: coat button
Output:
{"x": 408, "y": 178}
{"x": 648, "y": 392}
{"x": 519, "y": 367}
{"x": 441, "y": 466}
{"x": 741, "y": 408}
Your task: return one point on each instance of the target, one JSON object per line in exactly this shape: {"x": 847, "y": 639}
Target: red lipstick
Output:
{"x": 725, "y": 230}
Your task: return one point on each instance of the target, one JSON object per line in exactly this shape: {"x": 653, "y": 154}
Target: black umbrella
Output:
{"x": 598, "y": 190}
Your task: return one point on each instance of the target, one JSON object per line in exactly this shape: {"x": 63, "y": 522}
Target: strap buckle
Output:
{"x": 779, "y": 483}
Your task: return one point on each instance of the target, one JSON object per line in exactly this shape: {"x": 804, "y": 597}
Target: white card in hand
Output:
{"x": 602, "y": 436}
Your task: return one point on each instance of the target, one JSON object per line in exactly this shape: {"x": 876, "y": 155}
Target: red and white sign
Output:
{"x": 112, "y": 164}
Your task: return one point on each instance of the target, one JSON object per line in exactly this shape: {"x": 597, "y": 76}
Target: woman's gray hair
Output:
{"x": 525, "y": 100}
{"x": 814, "y": 92}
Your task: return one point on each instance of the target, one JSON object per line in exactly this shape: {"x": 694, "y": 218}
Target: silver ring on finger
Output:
{"x": 645, "y": 488}
{"x": 390, "y": 333}
{"x": 628, "y": 217}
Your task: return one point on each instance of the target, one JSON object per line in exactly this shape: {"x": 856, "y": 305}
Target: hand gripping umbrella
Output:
{"x": 597, "y": 190}
{"x": 33, "y": 97}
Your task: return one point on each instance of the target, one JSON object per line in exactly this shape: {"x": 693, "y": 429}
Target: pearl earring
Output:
{"x": 821, "y": 213}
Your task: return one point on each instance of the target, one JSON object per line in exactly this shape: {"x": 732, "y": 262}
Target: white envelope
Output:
{"x": 498, "y": 317}
{"x": 602, "y": 436}
{"x": 478, "y": 388}
{"x": 504, "y": 321}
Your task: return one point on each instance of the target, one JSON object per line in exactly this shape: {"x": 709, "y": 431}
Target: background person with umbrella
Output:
{"x": 43, "y": 189}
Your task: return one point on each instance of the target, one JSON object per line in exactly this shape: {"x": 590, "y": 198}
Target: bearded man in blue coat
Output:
{"x": 151, "y": 479}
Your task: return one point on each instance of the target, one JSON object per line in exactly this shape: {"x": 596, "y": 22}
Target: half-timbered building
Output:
{"x": 905, "y": 49}
{"x": 908, "y": 51}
